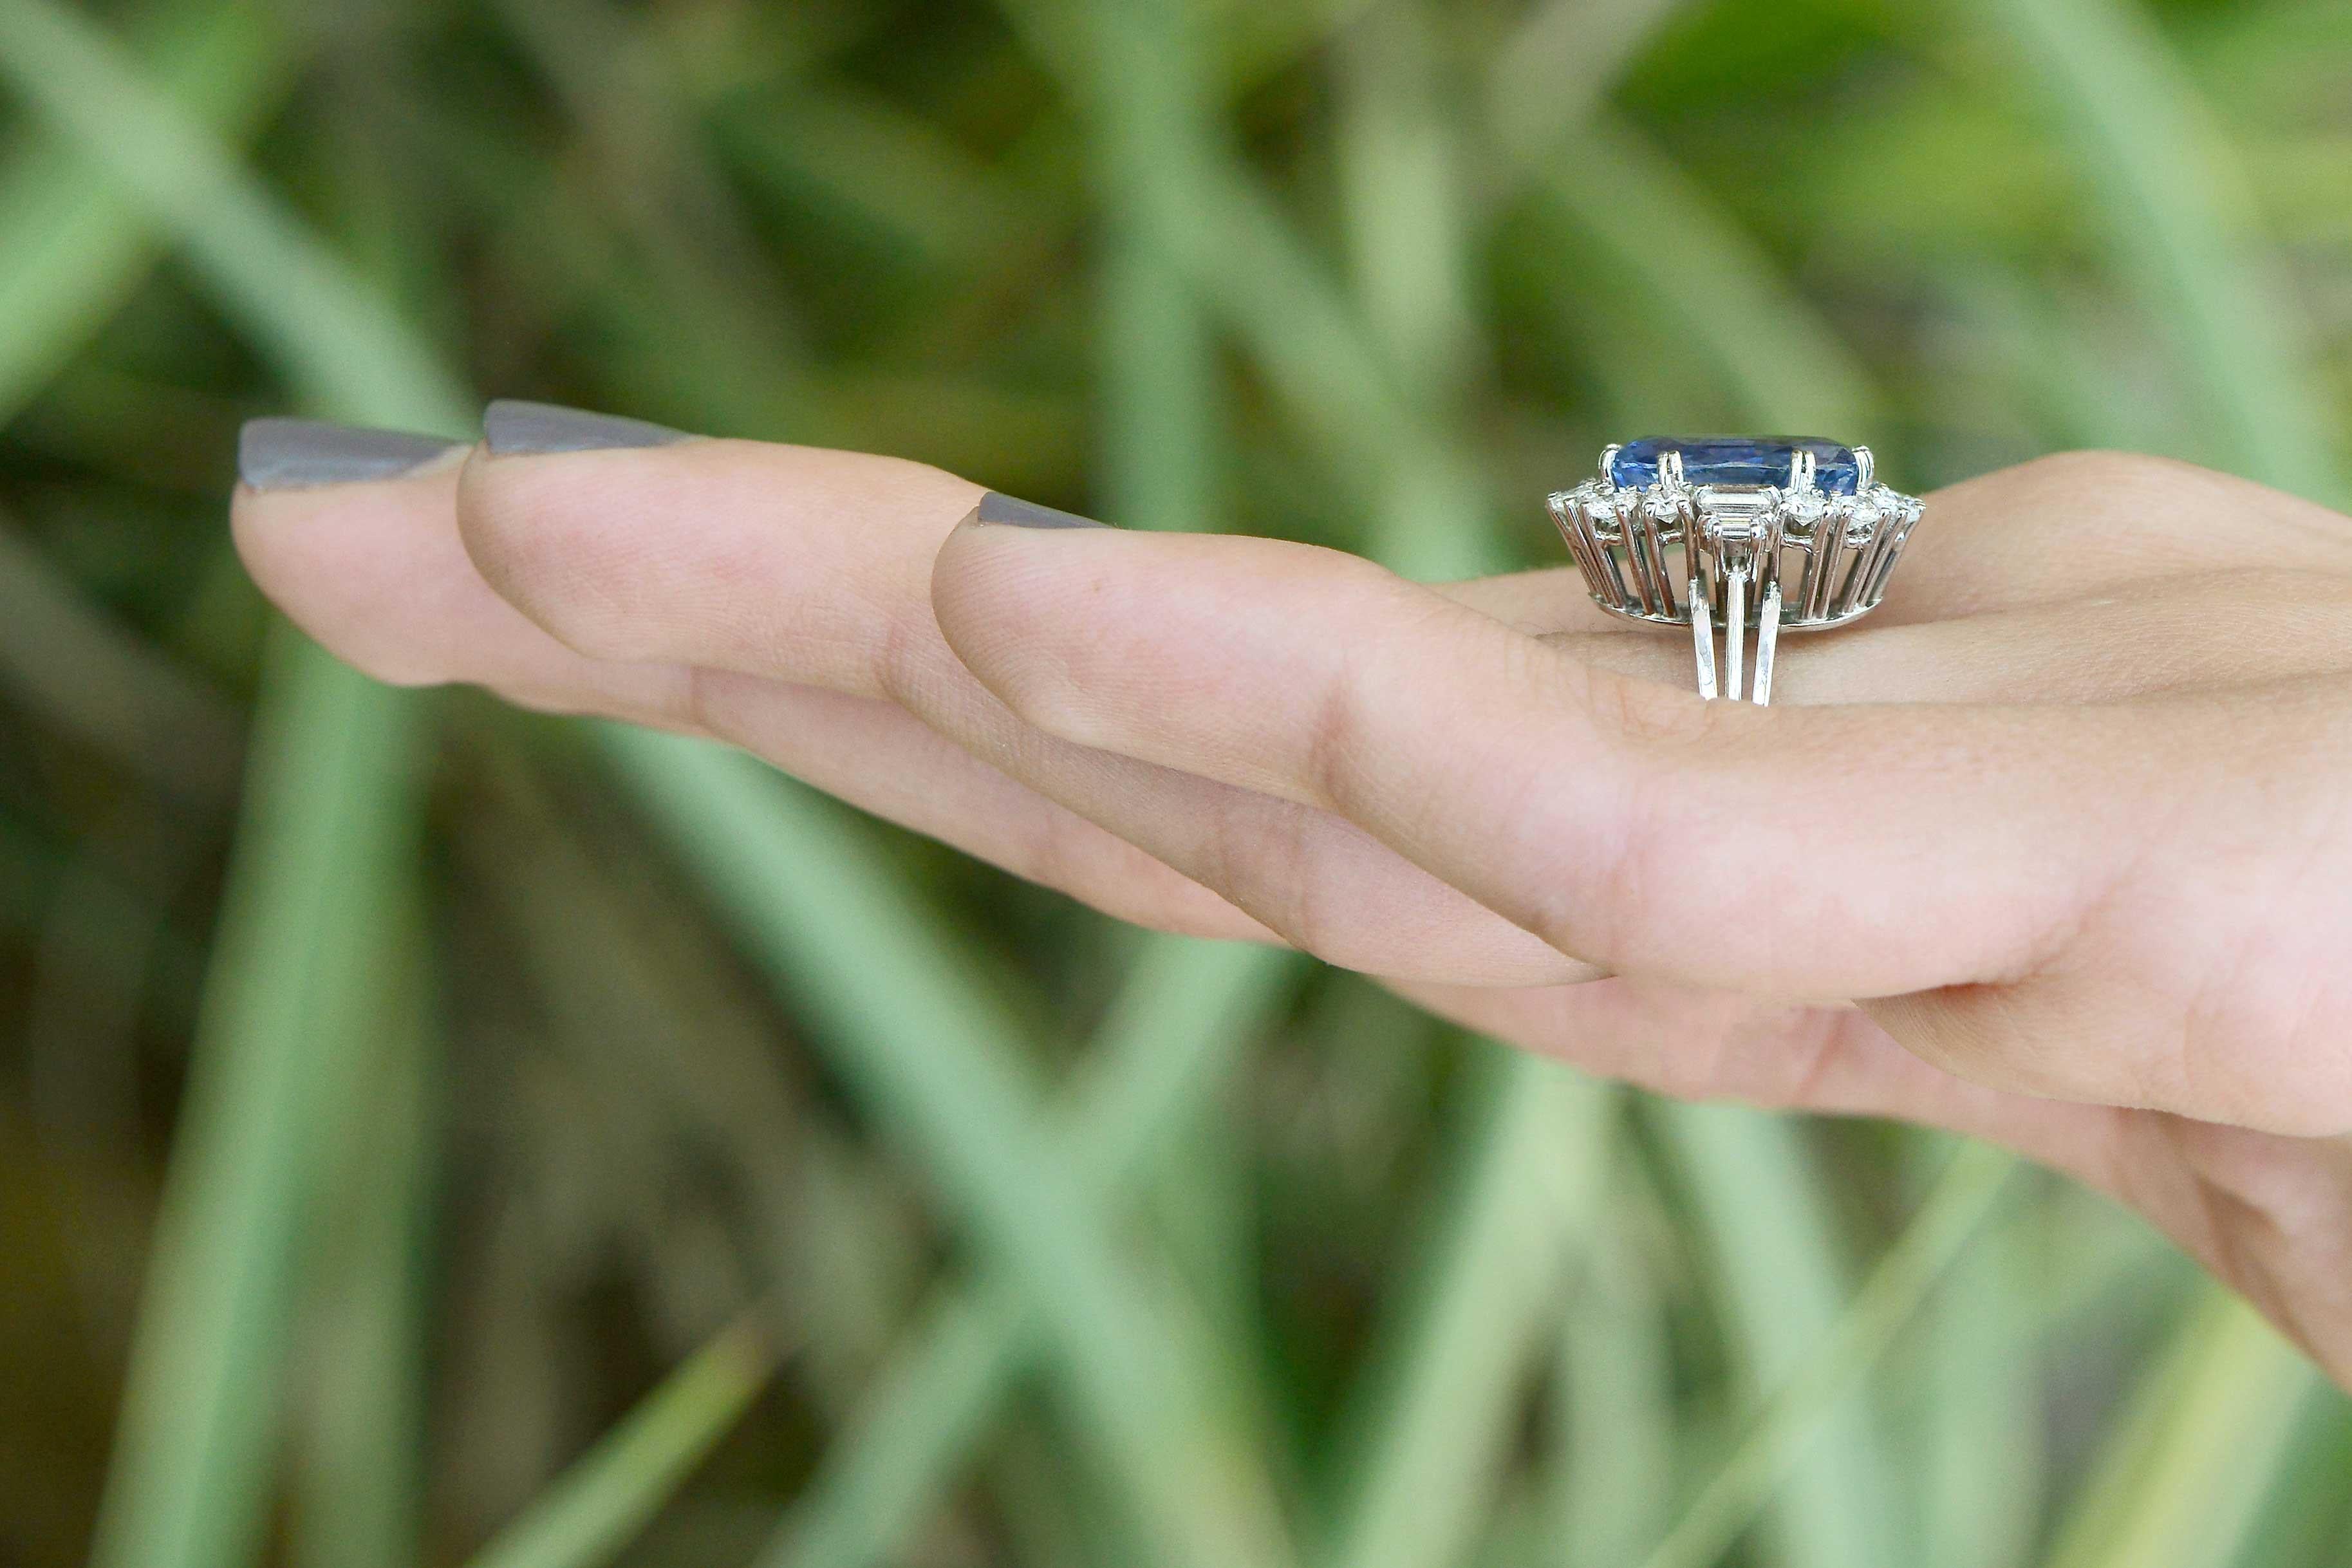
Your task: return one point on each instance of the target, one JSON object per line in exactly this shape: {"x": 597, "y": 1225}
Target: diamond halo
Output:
{"x": 1701, "y": 531}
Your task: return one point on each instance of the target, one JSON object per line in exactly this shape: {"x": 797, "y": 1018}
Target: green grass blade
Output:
{"x": 598, "y": 1505}
{"x": 1172, "y": 1038}
{"x": 1315, "y": 349}
{"x": 1403, "y": 210}
{"x": 1612, "y": 1481}
{"x": 895, "y": 1458}
{"x": 1243, "y": 259}
{"x": 1983, "y": 1466}
{"x": 1556, "y": 66}
{"x": 1809, "y": 1399}
{"x": 2308, "y": 1520}
{"x": 1450, "y": 1392}
{"x": 333, "y": 337}
{"x": 935, "y": 1055}
{"x": 1616, "y": 197}
{"x": 62, "y": 657}
{"x": 2182, "y": 1480}
{"x": 74, "y": 248}
{"x": 329, "y": 810}
{"x": 1162, "y": 447}
{"x": 331, "y": 804}
{"x": 2181, "y": 226}
{"x": 1780, "y": 1282}
{"x": 359, "y": 1492}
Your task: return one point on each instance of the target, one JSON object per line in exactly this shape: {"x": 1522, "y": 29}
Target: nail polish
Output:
{"x": 290, "y": 454}
{"x": 996, "y": 506}
{"x": 512, "y": 427}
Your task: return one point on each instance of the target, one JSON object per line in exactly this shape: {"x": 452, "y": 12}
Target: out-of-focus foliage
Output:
{"x": 429, "y": 1134}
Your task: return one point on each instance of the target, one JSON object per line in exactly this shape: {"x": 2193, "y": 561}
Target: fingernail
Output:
{"x": 286, "y": 454}
{"x": 999, "y": 507}
{"x": 511, "y": 428}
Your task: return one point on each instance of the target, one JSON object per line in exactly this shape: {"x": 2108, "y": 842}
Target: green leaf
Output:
{"x": 2181, "y": 1478}
{"x": 329, "y": 335}
{"x": 1173, "y": 1037}
{"x": 598, "y": 1505}
{"x": 331, "y": 802}
{"x": 287, "y": 1016}
{"x": 1449, "y": 1393}
{"x": 2180, "y": 225}
{"x": 935, "y": 1055}
{"x": 1810, "y": 1396}
{"x": 1780, "y": 1282}
{"x": 72, "y": 248}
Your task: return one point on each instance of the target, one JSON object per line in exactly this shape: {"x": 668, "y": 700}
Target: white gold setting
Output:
{"x": 1787, "y": 556}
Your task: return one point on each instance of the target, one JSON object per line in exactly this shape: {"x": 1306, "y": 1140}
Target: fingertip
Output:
{"x": 373, "y": 568}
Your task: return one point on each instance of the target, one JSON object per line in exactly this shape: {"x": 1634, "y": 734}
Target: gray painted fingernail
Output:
{"x": 511, "y": 428}
{"x": 996, "y": 506}
{"x": 286, "y": 454}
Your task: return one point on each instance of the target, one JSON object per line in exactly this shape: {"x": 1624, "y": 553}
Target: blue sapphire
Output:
{"x": 1736, "y": 460}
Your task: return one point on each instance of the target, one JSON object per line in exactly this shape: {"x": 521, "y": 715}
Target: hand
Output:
{"x": 2055, "y": 849}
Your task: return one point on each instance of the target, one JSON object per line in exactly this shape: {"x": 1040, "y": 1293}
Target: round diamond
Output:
{"x": 1862, "y": 522}
{"x": 1805, "y": 508}
{"x": 1660, "y": 504}
{"x": 1601, "y": 506}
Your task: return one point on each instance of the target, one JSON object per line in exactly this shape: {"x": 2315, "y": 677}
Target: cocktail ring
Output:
{"x": 1692, "y": 530}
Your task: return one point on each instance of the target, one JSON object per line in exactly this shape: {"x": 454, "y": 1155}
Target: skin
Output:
{"x": 2055, "y": 849}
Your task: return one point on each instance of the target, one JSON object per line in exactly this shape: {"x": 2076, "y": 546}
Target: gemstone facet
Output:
{"x": 1736, "y": 460}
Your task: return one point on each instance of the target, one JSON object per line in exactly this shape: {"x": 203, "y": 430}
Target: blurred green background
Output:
{"x": 430, "y": 1135}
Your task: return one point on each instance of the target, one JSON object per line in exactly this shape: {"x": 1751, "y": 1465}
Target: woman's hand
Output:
{"x": 2055, "y": 849}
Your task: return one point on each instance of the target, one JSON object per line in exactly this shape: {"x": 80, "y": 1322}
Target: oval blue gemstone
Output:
{"x": 1736, "y": 460}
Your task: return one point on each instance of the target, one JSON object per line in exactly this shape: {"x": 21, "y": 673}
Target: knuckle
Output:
{"x": 1625, "y": 861}
{"x": 1614, "y": 886}
{"x": 910, "y": 666}
{"x": 1337, "y": 761}
{"x": 1327, "y": 761}
{"x": 1262, "y": 855}
{"x": 1317, "y": 914}
{"x": 2127, "y": 477}
{"x": 2097, "y": 466}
